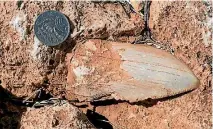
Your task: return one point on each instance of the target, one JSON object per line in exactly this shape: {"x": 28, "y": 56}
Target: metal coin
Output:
{"x": 52, "y": 28}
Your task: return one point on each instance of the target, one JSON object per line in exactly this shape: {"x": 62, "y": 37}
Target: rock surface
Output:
{"x": 185, "y": 27}
{"x": 26, "y": 64}
{"x": 58, "y": 117}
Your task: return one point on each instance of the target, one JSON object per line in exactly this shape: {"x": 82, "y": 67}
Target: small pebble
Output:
{"x": 150, "y": 44}
{"x": 157, "y": 46}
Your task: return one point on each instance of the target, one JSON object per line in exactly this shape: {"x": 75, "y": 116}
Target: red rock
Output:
{"x": 62, "y": 117}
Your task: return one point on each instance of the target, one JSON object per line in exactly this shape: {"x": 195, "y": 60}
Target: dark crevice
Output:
{"x": 98, "y": 120}
{"x": 51, "y": 62}
{"x": 10, "y": 111}
{"x": 146, "y": 35}
{"x": 106, "y": 102}
{"x": 151, "y": 102}
{"x": 18, "y": 3}
{"x": 146, "y": 103}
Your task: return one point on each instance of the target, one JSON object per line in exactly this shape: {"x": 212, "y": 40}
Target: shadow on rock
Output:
{"x": 151, "y": 102}
{"x": 99, "y": 121}
{"x": 11, "y": 109}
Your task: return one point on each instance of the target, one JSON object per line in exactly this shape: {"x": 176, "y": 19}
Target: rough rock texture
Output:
{"x": 187, "y": 28}
{"x": 103, "y": 20}
{"x": 65, "y": 116}
{"x": 101, "y": 70}
{"x": 26, "y": 64}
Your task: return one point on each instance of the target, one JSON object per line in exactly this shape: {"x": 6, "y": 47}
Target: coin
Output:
{"x": 52, "y": 28}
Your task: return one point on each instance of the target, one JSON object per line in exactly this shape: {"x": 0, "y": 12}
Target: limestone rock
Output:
{"x": 55, "y": 117}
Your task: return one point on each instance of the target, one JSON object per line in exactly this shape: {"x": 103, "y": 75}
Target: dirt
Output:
{"x": 26, "y": 64}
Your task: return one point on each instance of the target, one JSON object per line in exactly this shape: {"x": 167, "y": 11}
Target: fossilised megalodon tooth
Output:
{"x": 101, "y": 70}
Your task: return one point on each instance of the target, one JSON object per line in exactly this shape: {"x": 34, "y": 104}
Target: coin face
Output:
{"x": 52, "y": 28}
